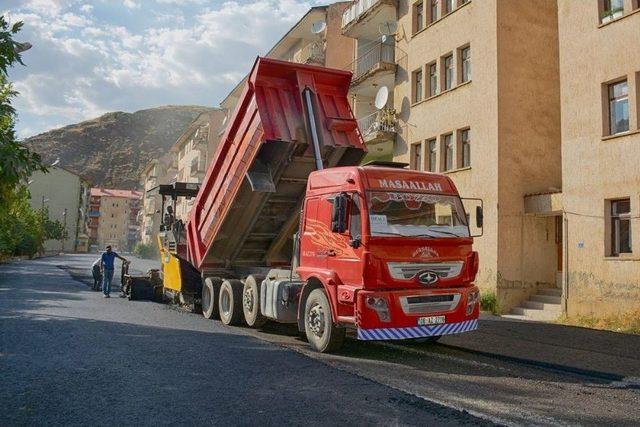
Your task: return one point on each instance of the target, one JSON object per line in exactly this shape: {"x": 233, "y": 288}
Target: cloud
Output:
{"x": 88, "y": 59}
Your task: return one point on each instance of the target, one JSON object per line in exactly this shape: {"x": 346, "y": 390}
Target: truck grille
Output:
{"x": 427, "y": 304}
{"x": 408, "y": 270}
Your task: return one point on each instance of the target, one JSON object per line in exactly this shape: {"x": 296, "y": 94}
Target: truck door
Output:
{"x": 345, "y": 258}
{"x": 313, "y": 246}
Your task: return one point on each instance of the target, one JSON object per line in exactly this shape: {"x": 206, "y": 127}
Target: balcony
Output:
{"x": 379, "y": 133}
{"x": 313, "y": 53}
{"x": 364, "y": 17}
{"x": 373, "y": 69}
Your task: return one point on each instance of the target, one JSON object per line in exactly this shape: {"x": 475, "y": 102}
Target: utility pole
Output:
{"x": 64, "y": 227}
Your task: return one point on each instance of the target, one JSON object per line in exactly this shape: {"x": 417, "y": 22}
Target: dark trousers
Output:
{"x": 97, "y": 277}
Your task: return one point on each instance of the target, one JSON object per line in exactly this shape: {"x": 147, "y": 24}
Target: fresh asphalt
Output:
{"x": 69, "y": 356}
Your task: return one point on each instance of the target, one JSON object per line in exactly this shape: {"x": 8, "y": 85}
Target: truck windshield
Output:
{"x": 416, "y": 215}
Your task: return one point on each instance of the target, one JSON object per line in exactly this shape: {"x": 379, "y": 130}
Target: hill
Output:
{"x": 112, "y": 150}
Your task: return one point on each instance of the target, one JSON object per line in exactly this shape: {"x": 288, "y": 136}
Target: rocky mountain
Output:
{"x": 112, "y": 149}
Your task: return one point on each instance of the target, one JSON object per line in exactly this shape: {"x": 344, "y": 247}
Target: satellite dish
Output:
{"x": 382, "y": 97}
{"x": 318, "y": 27}
{"x": 388, "y": 28}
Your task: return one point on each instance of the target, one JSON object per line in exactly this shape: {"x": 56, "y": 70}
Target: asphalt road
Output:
{"x": 68, "y": 356}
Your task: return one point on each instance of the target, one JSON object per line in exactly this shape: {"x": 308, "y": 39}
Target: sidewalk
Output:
{"x": 602, "y": 354}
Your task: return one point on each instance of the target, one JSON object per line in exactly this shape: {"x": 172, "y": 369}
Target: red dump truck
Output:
{"x": 287, "y": 227}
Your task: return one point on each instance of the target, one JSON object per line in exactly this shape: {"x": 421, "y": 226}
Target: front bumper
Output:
{"x": 417, "y": 331}
{"x": 407, "y": 306}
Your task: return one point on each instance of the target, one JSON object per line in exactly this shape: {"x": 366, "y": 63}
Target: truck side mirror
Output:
{"x": 479, "y": 217}
{"x": 339, "y": 213}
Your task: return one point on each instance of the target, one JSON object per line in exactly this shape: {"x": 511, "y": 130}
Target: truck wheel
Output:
{"x": 210, "y": 293}
{"x": 323, "y": 335}
{"x": 230, "y": 302}
{"x": 251, "y": 302}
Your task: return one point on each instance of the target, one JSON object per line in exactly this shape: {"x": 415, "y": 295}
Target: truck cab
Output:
{"x": 392, "y": 250}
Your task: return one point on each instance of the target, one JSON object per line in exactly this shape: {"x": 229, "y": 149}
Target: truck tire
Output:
{"x": 230, "y": 302}
{"x": 251, "y": 302}
{"x": 323, "y": 335}
{"x": 210, "y": 293}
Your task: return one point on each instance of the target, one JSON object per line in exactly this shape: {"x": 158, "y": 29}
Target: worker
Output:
{"x": 97, "y": 274}
{"x": 107, "y": 261}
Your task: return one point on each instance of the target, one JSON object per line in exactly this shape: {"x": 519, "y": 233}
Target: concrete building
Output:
{"x": 478, "y": 99}
{"x": 600, "y": 99}
{"x": 305, "y": 43}
{"x": 113, "y": 218}
{"x": 65, "y": 194}
{"x": 157, "y": 172}
{"x": 192, "y": 153}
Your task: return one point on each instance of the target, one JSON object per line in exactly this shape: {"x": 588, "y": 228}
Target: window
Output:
{"x": 465, "y": 148}
{"x": 433, "y": 11}
{"x": 417, "y": 86}
{"x": 610, "y": 10}
{"x": 465, "y": 64}
{"x": 416, "y": 156}
{"x": 447, "y": 65}
{"x": 433, "y": 79}
{"x": 355, "y": 223}
{"x": 431, "y": 146}
{"x": 448, "y": 6}
{"x": 618, "y": 107}
{"x": 447, "y": 150}
{"x": 418, "y": 17}
{"x": 620, "y": 226}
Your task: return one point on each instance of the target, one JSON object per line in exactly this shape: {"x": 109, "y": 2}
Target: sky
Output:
{"x": 92, "y": 57}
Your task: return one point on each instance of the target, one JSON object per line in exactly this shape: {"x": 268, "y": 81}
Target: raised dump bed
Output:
{"x": 249, "y": 202}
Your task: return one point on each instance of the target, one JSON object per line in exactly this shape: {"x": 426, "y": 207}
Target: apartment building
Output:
{"x": 376, "y": 60}
{"x": 309, "y": 42}
{"x": 157, "y": 172}
{"x": 600, "y": 99}
{"x": 66, "y": 195}
{"x": 113, "y": 218}
{"x": 477, "y": 98}
{"x": 192, "y": 153}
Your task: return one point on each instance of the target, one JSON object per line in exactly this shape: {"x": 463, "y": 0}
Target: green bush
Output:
{"x": 149, "y": 251}
{"x": 489, "y": 302}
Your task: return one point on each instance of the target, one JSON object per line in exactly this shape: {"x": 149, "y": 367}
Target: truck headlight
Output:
{"x": 380, "y": 306}
{"x": 472, "y": 300}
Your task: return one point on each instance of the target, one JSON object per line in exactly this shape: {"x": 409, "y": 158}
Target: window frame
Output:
{"x": 418, "y": 92}
{"x": 444, "y": 146}
{"x": 415, "y": 156}
{"x": 461, "y": 148}
{"x": 433, "y": 154}
{"x": 614, "y": 220}
{"x": 433, "y": 11}
{"x": 609, "y": 100}
{"x": 444, "y": 72}
{"x": 462, "y": 62}
{"x": 448, "y": 6}
{"x": 418, "y": 16}
{"x": 432, "y": 89}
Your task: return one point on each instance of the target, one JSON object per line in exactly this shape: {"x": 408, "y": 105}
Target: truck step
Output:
{"x": 549, "y": 299}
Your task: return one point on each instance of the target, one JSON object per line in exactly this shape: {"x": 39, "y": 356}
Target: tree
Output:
{"x": 22, "y": 230}
{"x": 17, "y": 162}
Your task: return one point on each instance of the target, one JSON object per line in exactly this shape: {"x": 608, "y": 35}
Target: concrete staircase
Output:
{"x": 544, "y": 306}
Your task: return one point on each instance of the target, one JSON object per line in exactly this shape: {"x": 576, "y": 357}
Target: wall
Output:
{"x": 594, "y": 167}
{"x": 473, "y": 105}
{"x": 63, "y": 191}
{"x": 529, "y": 154}
{"x": 339, "y": 49}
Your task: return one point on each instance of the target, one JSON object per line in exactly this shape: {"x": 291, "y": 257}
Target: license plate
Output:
{"x": 430, "y": 320}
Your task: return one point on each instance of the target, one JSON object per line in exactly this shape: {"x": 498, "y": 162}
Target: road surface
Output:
{"x": 69, "y": 356}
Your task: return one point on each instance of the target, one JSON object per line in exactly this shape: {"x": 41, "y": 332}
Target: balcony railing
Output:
{"x": 313, "y": 53}
{"x": 357, "y": 9}
{"x": 380, "y": 121}
{"x": 373, "y": 59}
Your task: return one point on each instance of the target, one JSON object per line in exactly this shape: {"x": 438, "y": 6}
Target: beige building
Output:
{"x": 157, "y": 172}
{"x": 600, "y": 99}
{"x": 478, "y": 100}
{"x": 192, "y": 153}
{"x": 113, "y": 218}
{"x": 66, "y": 196}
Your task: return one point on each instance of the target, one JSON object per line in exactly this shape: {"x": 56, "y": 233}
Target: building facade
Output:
{"x": 600, "y": 98}
{"x": 113, "y": 218}
{"x": 192, "y": 153}
{"x": 65, "y": 195}
{"x": 478, "y": 99}
{"x": 156, "y": 172}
